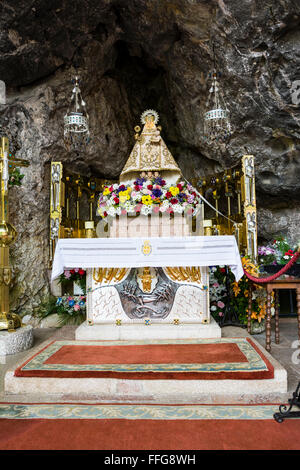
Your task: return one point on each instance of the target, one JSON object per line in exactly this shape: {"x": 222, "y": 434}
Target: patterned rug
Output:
{"x": 203, "y": 359}
{"x": 77, "y": 426}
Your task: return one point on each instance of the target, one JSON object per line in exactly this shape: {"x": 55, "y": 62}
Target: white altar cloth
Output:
{"x": 161, "y": 252}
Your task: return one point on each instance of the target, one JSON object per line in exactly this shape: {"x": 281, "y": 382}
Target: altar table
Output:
{"x": 138, "y": 252}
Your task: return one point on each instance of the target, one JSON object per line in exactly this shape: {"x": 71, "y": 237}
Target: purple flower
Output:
{"x": 181, "y": 196}
{"x": 139, "y": 181}
{"x": 156, "y": 192}
{"x": 120, "y": 188}
{"x": 159, "y": 181}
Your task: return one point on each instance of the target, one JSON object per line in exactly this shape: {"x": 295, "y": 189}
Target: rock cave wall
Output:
{"x": 139, "y": 54}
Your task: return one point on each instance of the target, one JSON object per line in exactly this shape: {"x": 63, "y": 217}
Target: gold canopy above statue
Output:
{"x": 150, "y": 153}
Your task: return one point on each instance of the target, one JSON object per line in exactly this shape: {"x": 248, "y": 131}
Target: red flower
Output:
{"x": 150, "y": 187}
{"x": 81, "y": 272}
{"x": 111, "y": 189}
{"x": 222, "y": 270}
{"x": 180, "y": 187}
{"x": 168, "y": 194}
{"x": 116, "y": 199}
{"x": 105, "y": 214}
{"x": 137, "y": 188}
{"x": 162, "y": 183}
{"x": 174, "y": 200}
{"x": 289, "y": 253}
{"x": 72, "y": 271}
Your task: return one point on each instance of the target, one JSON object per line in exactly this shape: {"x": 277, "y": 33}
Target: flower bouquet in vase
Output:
{"x": 74, "y": 281}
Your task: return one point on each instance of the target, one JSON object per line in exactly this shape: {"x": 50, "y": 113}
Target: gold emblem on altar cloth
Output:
{"x": 146, "y": 248}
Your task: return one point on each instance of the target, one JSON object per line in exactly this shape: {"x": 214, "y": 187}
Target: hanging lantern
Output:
{"x": 217, "y": 127}
{"x": 76, "y": 121}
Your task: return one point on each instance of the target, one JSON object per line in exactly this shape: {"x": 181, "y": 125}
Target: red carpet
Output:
{"x": 81, "y": 426}
{"x": 236, "y": 358}
{"x": 42, "y": 434}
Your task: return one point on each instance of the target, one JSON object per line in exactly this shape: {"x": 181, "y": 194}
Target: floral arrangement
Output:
{"x": 217, "y": 291}
{"x": 148, "y": 196}
{"x": 277, "y": 252}
{"x": 74, "y": 275}
{"x": 69, "y": 309}
{"x": 71, "y": 304}
{"x": 240, "y": 297}
{"x": 72, "y": 309}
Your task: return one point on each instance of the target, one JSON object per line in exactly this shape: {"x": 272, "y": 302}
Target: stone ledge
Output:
{"x": 139, "y": 331}
{"x": 17, "y": 341}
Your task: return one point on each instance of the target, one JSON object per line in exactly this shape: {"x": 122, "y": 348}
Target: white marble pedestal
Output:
{"x": 17, "y": 341}
{"x": 140, "y": 331}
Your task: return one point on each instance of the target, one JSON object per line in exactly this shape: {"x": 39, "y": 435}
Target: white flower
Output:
{"x": 145, "y": 210}
{"x": 136, "y": 196}
{"x": 115, "y": 186}
{"x": 272, "y": 311}
{"x": 177, "y": 208}
{"x": 110, "y": 202}
{"x": 111, "y": 211}
{"x": 118, "y": 210}
{"x": 213, "y": 308}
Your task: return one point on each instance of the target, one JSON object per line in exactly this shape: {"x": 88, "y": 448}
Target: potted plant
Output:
{"x": 239, "y": 299}
{"x": 273, "y": 256}
{"x": 74, "y": 281}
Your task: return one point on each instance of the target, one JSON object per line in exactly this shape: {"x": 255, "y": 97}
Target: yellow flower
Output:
{"x": 106, "y": 192}
{"x": 236, "y": 289}
{"x": 174, "y": 190}
{"x": 246, "y": 293}
{"x": 124, "y": 196}
{"x": 249, "y": 266}
{"x": 147, "y": 200}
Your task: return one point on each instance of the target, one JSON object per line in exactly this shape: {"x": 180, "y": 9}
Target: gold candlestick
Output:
{"x": 8, "y": 321}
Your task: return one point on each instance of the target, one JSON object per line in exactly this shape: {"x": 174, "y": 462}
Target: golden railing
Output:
{"x": 73, "y": 200}
{"x": 232, "y": 194}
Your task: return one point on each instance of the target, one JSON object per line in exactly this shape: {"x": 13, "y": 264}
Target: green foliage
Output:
{"x": 74, "y": 275}
{"x": 15, "y": 177}
{"x": 71, "y": 309}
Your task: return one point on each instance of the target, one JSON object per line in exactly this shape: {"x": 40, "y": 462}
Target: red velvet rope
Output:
{"x": 263, "y": 280}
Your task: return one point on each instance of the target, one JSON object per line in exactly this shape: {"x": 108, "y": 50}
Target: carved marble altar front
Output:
{"x": 148, "y": 295}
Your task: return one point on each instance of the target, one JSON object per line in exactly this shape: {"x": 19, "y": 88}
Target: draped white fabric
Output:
{"x": 156, "y": 251}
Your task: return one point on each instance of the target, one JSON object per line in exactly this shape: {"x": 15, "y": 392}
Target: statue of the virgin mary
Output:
{"x": 150, "y": 155}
